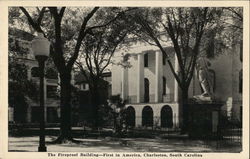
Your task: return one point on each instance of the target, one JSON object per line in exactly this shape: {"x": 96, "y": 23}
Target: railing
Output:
{"x": 156, "y": 123}
{"x": 229, "y": 133}
{"x": 164, "y": 98}
{"x": 229, "y": 130}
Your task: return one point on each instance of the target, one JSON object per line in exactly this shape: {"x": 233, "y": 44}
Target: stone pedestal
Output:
{"x": 204, "y": 120}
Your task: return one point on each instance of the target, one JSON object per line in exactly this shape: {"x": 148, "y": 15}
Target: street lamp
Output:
{"x": 40, "y": 48}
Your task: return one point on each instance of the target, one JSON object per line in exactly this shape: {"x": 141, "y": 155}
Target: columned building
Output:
{"x": 152, "y": 93}
{"x": 149, "y": 88}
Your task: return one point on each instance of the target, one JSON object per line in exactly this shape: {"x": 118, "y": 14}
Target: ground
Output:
{"x": 110, "y": 144}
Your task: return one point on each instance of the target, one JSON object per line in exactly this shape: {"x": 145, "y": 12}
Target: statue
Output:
{"x": 206, "y": 79}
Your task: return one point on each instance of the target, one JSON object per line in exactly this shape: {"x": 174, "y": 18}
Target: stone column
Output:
{"x": 140, "y": 78}
{"x": 158, "y": 76}
{"x": 176, "y": 86}
{"x": 124, "y": 93}
{"x": 179, "y": 114}
{"x": 156, "y": 116}
{"x": 138, "y": 116}
{"x": 29, "y": 73}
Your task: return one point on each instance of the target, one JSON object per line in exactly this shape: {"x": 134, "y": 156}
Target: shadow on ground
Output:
{"x": 29, "y": 144}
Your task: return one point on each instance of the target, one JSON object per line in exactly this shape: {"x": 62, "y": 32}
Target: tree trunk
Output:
{"x": 95, "y": 100}
{"x": 185, "y": 110}
{"x": 65, "y": 103}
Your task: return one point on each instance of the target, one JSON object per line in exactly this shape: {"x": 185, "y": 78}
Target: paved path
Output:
{"x": 30, "y": 144}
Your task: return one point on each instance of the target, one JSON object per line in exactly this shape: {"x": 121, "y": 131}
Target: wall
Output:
{"x": 226, "y": 66}
{"x": 156, "y": 107}
{"x": 149, "y": 73}
{"x": 29, "y": 60}
{"x": 167, "y": 73}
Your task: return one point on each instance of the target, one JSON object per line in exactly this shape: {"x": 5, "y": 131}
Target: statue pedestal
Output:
{"x": 204, "y": 120}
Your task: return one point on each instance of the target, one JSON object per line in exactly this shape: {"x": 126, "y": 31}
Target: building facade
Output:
{"x": 152, "y": 93}
{"x": 145, "y": 81}
{"x": 22, "y": 41}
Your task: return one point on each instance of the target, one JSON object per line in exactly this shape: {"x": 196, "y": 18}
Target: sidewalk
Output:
{"x": 108, "y": 144}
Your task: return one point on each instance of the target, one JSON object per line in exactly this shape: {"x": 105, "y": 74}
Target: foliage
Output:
{"x": 233, "y": 24}
{"x": 51, "y": 73}
{"x": 192, "y": 31}
{"x": 106, "y": 118}
{"x": 119, "y": 114}
{"x": 98, "y": 49}
{"x": 96, "y": 32}
{"x": 100, "y": 46}
{"x": 66, "y": 35}
{"x": 183, "y": 27}
{"x": 20, "y": 88}
{"x": 225, "y": 33}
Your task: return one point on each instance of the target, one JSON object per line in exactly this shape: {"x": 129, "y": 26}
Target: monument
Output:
{"x": 206, "y": 80}
{"x": 204, "y": 109}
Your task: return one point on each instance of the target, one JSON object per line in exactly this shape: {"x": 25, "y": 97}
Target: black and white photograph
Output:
{"x": 140, "y": 81}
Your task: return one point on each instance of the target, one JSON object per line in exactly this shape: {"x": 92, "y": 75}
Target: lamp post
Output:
{"x": 40, "y": 48}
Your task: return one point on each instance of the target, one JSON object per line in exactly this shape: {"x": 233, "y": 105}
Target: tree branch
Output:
{"x": 81, "y": 36}
{"x": 41, "y": 14}
{"x": 58, "y": 52}
{"x": 62, "y": 11}
{"x": 79, "y": 65}
{"x": 31, "y": 21}
{"x": 236, "y": 13}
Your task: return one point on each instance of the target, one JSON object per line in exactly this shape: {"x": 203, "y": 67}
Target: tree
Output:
{"x": 118, "y": 108}
{"x": 233, "y": 23}
{"x": 186, "y": 28}
{"x": 64, "y": 33}
{"x": 96, "y": 56}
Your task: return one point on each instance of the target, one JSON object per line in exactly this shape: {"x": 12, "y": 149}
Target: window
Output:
{"x": 164, "y": 85}
{"x": 35, "y": 72}
{"x": 51, "y": 91}
{"x": 166, "y": 117}
{"x": 83, "y": 86}
{"x": 147, "y": 116}
{"x": 146, "y": 90}
{"x": 130, "y": 116}
{"x": 51, "y": 73}
{"x": 35, "y": 114}
{"x": 146, "y": 60}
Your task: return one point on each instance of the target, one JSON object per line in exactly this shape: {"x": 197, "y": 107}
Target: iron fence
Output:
{"x": 229, "y": 129}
